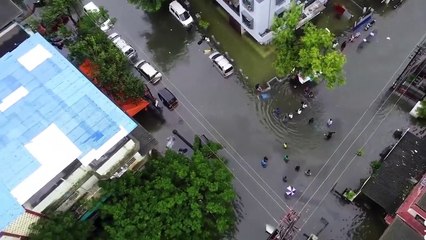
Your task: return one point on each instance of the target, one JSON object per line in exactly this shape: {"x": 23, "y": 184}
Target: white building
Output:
{"x": 255, "y": 17}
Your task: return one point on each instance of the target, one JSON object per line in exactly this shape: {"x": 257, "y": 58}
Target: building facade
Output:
{"x": 255, "y": 17}
{"x": 59, "y": 135}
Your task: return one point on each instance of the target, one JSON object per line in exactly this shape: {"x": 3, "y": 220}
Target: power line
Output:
{"x": 353, "y": 158}
{"x": 359, "y": 120}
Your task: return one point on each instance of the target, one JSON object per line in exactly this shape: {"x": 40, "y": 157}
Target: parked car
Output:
{"x": 222, "y": 64}
{"x": 125, "y": 48}
{"x": 104, "y": 23}
{"x": 167, "y": 98}
{"x": 148, "y": 72}
{"x": 181, "y": 14}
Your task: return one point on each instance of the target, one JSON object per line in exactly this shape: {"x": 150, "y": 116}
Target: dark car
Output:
{"x": 167, "y": 98}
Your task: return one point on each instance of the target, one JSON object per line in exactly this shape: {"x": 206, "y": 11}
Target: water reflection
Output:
{"x": 168, "y": 39}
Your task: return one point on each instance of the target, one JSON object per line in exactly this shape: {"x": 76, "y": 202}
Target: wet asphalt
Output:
{"x": 226, "y": 111}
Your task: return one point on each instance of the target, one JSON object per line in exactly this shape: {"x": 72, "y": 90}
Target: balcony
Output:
{"x": 247, "y": 20}
{"x": 249, "y": 5}
{"x": 234, "y": 5}
{"x": 279, "y": 2}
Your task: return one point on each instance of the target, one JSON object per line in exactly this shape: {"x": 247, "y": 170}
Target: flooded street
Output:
{"x": 226, "y": 110}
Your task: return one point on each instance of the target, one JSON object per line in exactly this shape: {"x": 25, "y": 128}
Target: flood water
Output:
{"x": 241, "y": 117}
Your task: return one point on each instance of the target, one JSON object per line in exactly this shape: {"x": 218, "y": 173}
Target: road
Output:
{"x": 224, "y": 110}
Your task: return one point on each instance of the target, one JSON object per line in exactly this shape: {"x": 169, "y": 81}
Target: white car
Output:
{"x": 125, "y": 48}
{"x": 104, "y": 24}
{"x": 222, "y": 64}
{"x": 148, "y": 72}
{"x": 180, "y": 14}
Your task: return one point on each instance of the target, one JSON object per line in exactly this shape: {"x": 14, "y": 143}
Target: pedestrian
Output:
{"x": 299, "y": 111}
{"x": 285, "y": 145}
{"x": 342, "y": 47}
{"x": 264, "y": 162}
{"x": 285, "y": 179}
{"x": 329, "y": 122}
{"x": 311, "y": 120}
{"x": 328, "y": 135}
{"x": 285, "y": 158}
{"x": 277, "y": 112}
{"x": 308, "y": 173}
{"x": 297, "y": 168}
{"x": 170, "y": 142}
{"x": 307, "y": 90}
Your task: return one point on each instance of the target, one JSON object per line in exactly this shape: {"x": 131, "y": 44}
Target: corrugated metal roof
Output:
{"x": 57, "y": 94}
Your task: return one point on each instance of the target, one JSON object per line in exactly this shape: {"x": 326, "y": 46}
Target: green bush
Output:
{"x": 375, "y": 165}
{"x": 204, "y": 25}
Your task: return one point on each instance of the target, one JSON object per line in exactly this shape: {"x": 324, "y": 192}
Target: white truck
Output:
{"x": 125, "y": 48}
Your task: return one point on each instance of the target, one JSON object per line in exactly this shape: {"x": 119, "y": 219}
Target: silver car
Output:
{"x": 148, "y": 72}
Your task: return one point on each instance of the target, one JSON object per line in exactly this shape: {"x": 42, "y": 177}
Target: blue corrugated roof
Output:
{"x": 59, "y": 94}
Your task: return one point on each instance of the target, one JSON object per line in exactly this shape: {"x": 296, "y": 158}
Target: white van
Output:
{"x": 180, "y": 13}
{"x": 104, "y": 24}
{"x": 222, "y": 64}
{"x": 125, "y": 48}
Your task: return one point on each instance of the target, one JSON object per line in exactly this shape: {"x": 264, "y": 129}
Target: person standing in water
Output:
{"x": 329, "y": 122}
{"x": 264, "y": 162}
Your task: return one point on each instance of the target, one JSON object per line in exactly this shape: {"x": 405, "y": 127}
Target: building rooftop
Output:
{"x": 399, "y": 230}
{"x": 8, "y": 12}
{"x": 422, "y": 202}
{"x": 404, "y": 164}
{"x": 50, "y": 115}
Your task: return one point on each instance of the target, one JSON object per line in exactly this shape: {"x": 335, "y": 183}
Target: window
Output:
{"x": 420, "y": 219}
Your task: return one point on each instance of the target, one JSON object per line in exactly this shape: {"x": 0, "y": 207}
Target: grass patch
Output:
{"x": 255, "y": 60}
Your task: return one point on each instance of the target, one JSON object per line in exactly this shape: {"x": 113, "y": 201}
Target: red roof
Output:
{"x": 131, "y": 107}
{"x": 410, "y": 207}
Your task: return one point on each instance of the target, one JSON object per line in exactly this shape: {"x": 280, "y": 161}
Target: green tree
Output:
{"x": 175, "y": 197}
{"x": 57, "y": 9}
{"x": 63, "y": 226}
{"x": 285, "y": 40}
{"x": 148, "y": 5}
{"x": 421, "y": 111}
{"x": 310, "y": 53}
{"x": 113, "y": 71}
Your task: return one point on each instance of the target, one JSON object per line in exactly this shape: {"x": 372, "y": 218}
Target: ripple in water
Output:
{"x": 297, "y": 131}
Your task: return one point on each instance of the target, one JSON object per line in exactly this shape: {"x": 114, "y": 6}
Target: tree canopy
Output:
{"x": 63, "y": 226}
{"x": 310, "y": 53}
{"x": 111, "y": 68}
{"x": 56, "y": 9}
{"x": 421, "y": 111}
{"x": 148, "y": 5}
{"x": 175, "y": 197}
